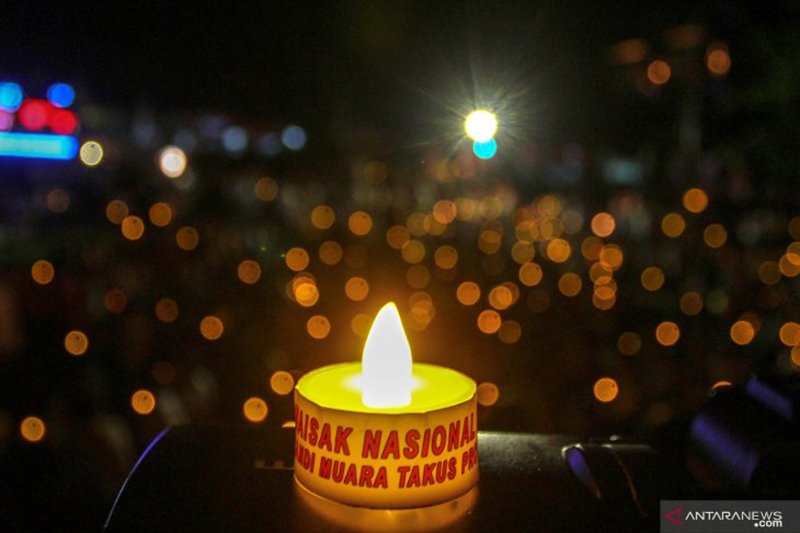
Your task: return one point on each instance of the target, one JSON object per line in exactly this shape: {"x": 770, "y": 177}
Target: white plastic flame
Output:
{"x": 386, "y": 362}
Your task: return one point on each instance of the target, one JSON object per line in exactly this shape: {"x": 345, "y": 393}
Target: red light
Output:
{"x": 34, "y": 114}
{"x": 63, "y": 122}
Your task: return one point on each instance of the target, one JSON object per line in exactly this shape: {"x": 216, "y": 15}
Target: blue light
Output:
{"x": 61, "y": 95}
{"x": 38, "y": 145}
{"x": 234, "y": 139}
{"x": 485, "y": 150}
{"x": 293, "y": 137}
{"x": 10, "y": 96}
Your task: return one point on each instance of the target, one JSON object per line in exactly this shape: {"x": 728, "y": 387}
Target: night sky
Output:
{"x": 403, "y": 65}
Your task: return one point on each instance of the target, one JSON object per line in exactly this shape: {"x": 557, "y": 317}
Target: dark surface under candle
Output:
{"x": 200, "y": 478}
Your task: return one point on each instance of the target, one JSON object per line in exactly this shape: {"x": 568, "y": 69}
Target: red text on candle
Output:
{"x": 308, "y": 429}
{"x": 341, "y": 472}
{"x": 432, "y": 441}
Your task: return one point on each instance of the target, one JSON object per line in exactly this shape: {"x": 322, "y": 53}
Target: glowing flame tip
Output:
{"x": 386, "y": 362}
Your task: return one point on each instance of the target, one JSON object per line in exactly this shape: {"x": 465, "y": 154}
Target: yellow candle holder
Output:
{"x": 419, "y": 450}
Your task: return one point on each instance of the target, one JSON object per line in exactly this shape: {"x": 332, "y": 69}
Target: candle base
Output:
{"x": 412, "y": 520}
{"x": 390, "y": 458}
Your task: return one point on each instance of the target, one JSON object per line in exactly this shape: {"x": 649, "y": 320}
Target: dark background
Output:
{"x": 388, "y": 82}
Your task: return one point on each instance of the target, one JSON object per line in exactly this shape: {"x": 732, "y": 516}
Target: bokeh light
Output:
{"x": 796, "y": 356}
{"x": 718, "y": 62}
{"x": 43, "y": 272}
{"x": 413, "y": 251}
{"x": 481, "y": 125}
{"x": 558, "y": 250}
{"x": 605, "y": 390}
{"x": 652, "y": 278}
{"x": 33, "y": 114}
{"x": 61, "y": 94}
{"x": 769, "y": 273}
{"x": 570, "y": 284}
{"x": 397, "y": 236}
{"x": 6, "y": 120}
{"x": 62, "y": 122}
{"x": 789, "y": 334}
{"x": 715, "y": 235}
{"x": 695, "y": 200}
{"x": 468, "y": 293}
{"x": 490, "y": 241}
{"x": 500, "y": 297}
{"x": 659, "y": 72}
{"x": 603, "y": 224}
{"x": 306, "y": 294}
{"x": 10, "y": 96}
{"x": 789, "y": 265}
{"x": 444, "y": 211}
{"x": 330, "y": 252}
{"x": 421, "y": 310}
{"x": 187, "y": 238}
{"x": 234, "y": 139}
{"x": 116, "y": 211}
{"x": 356, "y": 288}
{"x": 318, "y": 327}
{"x": 249, "y": 271}
{"x": 360, "y": 223}
{"x": 160, "y": 214}
{"x": 488, "y": 394}
{"x": 293, "y": 137}
{"x": 742, "y": 332}
{"x": 255, "y": 409}
{"x": 266, "y": 189}
{"x": 591, "y": 248}
{"x": 510, "y": 331}
{"x": 91, "y": 153}
{"x": 297, "y": 259}
{"x": 322, "y": 217}
{"x": 32, "y": 429}
{"x": 143, "y": 402}
{"x": 445, "y": 257}
{"x": 281, "y": 382}
{"x": 668, "y": 333}
{"x": 485, "y": 150}
{"x": 673, "y": 225}
{"x": 172, "y": 161}
{"x": 132, "y": 227}
{"x": 76, "y": 342}
{"x": 522, "y": 252}
{"x": 116, "y": 301}
{"x": 489, "y": 321}
{"x": 211, "y": 327}
{"x": 691, "y": 303}
{"x": 530, "y": 274}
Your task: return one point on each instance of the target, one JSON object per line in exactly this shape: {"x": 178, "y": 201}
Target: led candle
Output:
{"x": 386, "y": 433}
